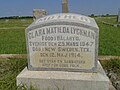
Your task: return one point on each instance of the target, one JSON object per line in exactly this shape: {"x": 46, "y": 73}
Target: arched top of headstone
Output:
{"x": 65, "y": 18}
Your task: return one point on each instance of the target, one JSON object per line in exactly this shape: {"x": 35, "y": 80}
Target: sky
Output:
{"x": 85, "y": 7}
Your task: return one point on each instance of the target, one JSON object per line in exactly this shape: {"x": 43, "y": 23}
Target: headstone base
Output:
{"x": 60, "y": 80}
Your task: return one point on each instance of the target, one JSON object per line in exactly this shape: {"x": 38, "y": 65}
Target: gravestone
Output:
{"x": 64, "y": 6}
{"x": 7, "y": 20}
{"x": 23, "y": 20}
{"x": 62, "y": 54}
{"x": 38, "y": 13}
{"x": 118, "y": 16}
{"x": 63, "y": 43}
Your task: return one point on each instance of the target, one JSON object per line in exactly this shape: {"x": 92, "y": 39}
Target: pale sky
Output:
{"x": 86, "y": 7}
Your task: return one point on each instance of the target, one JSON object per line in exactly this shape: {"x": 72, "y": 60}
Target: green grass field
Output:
{"x": 9, "y": 69}
{"x": 12, "y": 36}
{"x": 111, "y": 19}
{"x": 4, "y": 23}
{"x": 12, "y": 41}
{"x": 109, "y": 40}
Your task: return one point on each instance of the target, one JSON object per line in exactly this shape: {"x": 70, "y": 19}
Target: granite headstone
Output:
{"x": 63, "y": 42}
{"x": 62, "y": 54}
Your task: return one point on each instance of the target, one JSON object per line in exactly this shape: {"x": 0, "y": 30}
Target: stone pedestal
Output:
{"x": 60, "y": 80}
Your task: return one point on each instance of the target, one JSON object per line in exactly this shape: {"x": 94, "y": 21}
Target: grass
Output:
{"x": 12, "y": 41}
{"x": 111, "y": 19}
{"x": 109, "y": 40}
{"x": 14, "y": 22}
{"x": 112, "y": 65}
{"x": 9, "y": 69}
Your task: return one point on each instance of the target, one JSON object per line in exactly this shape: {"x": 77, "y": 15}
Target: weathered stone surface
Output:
{"x": 38, "y": 13}
{"x": 63, "y": 42}
{"x": 60, "y": 80}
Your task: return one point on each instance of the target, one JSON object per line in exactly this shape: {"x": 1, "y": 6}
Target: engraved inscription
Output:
{"x": 64, "y": 16}
{"x": 62, "y": 46}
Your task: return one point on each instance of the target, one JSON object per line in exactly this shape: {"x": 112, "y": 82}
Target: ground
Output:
{"x": 9, "y": 69}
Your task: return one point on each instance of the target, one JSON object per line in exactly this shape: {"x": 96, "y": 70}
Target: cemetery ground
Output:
{"x": 10, "y": 68}
{"x": 12, "y": 41}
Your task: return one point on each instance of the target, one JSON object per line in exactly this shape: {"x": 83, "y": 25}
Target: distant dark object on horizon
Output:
{"x": 16, "y": 17}
{"x": 24, "y": 17}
